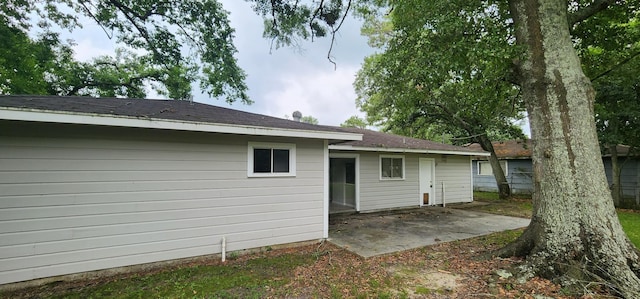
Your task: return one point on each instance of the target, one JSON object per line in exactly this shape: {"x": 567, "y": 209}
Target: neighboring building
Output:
{"x": 89, "y": 184}
{"x": 629, "y": 175}
{"x": 515, "y": 158}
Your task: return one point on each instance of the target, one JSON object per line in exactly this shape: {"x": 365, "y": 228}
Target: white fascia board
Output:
{"x": 154, "y": 123}
{"x": 404, "y": 150}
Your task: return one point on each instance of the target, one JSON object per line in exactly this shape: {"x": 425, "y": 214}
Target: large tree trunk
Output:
{"x": 574, "y": 229}
{"x": 504, "y": 191}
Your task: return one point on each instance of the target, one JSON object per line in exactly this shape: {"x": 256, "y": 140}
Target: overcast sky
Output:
{"x": 280, "y": 81}
{"x": 283, "y": 80}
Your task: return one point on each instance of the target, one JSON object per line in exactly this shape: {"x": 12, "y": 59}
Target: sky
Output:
{"x": 283, "y": 80}
{"x": 280, "y": 81}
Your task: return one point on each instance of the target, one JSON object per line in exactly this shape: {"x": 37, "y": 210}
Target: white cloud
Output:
{"x": 325, "y": 95}
{"x": 86, "y": 49}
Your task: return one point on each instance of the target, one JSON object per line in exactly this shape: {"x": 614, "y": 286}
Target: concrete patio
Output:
{"x": 380, "y": 233}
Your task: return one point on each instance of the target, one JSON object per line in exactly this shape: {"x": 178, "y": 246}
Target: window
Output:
{"x": 392, "y": 167}
{"x": 271, "y": 159}
{"x": 484, "y": 167}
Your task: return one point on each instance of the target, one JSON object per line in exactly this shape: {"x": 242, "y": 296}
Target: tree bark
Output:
{"x": 574, "y": 229}
{"x": 615, "y": 175}
{"x": 504, "y": 190}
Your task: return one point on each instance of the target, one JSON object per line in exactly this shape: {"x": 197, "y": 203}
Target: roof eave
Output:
{"x": 48, "y": 116}
{"x": 404, "y": 150}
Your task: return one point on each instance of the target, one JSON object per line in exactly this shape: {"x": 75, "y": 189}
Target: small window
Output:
{"x": 392, "y": 167}
{"x": 271, "y": 159}
{"x": 484, "y": 167}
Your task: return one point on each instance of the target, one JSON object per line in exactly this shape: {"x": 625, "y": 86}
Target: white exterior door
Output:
{"x": 427, "y": 180}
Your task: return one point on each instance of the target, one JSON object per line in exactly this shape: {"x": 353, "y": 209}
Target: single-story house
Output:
{"x": 89, "y": 184}
{"x": 384, "y": 171}
{"x": 515, "y": 158}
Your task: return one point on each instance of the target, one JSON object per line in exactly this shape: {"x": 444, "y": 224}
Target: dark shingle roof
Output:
{"x": 155, "y": 109}
{"x": 623, "y": 151}
{"x": 510, "y": 149}
{"x": 204, "y": 113}
{"x": 373, "y": 139}
{"x": 518, "y": 149}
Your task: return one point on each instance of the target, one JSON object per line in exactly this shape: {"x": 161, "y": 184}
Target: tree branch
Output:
{"x": 313, "y": 18}
{"x": 333, "y": 34}
{"x": 99, "y": 84}
{"x": 588, "y": 11}
{"x": 618, "y": 65}
{"x": 126, "y": 11}
{"x": 83, "y": 4}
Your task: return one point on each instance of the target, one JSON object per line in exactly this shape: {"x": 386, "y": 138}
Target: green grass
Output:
{"x": 631, "y": 224}
{"x": 248, "y": 279}
{"x": 485, "y": 196}
{"x": 516, "y": 207}
{"x": 521, "y": 207}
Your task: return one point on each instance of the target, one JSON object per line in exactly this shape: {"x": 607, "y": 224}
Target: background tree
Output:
{"x": 423, "y": 86}
{"x": 611, "y": 59}
{"x": 25, "y": 62}
{"x": 159, "y": 32}
{"x": 309, "y": 119}
{"x": 354, "y": 122}
{"x": 574, "y": 232}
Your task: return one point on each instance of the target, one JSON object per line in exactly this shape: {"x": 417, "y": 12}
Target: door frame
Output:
{"x": 432, "y": 194}
{"x": 357, "y": 170}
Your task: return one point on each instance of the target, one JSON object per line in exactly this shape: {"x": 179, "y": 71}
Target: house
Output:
{"x": 384, "y": 171}
{"x": 89, "y": 184}
{"x": 515, "y": 159}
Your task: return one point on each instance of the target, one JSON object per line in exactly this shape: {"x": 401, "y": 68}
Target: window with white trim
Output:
{"x": 391, "y": 167}
{"x": 271, "y": 159}
{"x": 484, "y": 167}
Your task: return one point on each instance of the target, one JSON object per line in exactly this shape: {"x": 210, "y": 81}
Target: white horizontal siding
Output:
{"x": 455, "y": 173}
{"x": 78, "y": 204}
{"x": 376, "y": 194}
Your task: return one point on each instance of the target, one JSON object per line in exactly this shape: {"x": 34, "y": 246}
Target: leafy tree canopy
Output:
{"x": 166, "y": 44}
{"x": 438, "y": 79}
{"x": 309, "y": 119}
{"x": 609, "y": 46}
{"x": 354, "y": 122}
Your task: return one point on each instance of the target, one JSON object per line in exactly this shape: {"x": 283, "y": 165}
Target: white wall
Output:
{"x": 455, "y": 173}
{"x": 376, "y": 194}
{"x": 75, "y": 199}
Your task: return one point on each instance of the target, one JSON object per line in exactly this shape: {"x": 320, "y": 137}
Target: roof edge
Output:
{"x": 404, "y": 150}
{"x": 51, "y": 116}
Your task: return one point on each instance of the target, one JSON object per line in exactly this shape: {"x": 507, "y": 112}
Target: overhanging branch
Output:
{"x": 588, "y": 11}
{"x": 617, "y": 66}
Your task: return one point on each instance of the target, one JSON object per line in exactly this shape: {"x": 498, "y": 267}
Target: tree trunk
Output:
{"x": 574, "y": 229}
{"x": 504, "y": 191}
{"x": 615, "y": 175}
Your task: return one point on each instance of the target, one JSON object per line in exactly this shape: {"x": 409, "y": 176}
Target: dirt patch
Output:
{"x": 426, "y": 281}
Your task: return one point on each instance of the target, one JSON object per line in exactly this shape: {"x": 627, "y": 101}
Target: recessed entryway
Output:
{"x": 343, "y": 183}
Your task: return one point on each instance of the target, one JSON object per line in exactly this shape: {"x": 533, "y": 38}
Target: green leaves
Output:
{"x": 176, "y": 43}
{"x": 609, "y": 46}
{"x": 443, "y": 70}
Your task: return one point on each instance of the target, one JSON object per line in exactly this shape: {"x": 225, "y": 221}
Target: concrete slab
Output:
{"x": 380, "y": 233}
